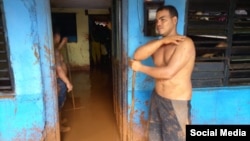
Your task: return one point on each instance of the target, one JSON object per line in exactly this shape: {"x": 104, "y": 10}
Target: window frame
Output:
{"x": 202, "y": 23}
{"x": 10, "y": 77}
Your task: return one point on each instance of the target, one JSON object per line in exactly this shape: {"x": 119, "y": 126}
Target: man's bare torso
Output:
{"x": 59, "y": 60}
{"x": 179, "y": 87}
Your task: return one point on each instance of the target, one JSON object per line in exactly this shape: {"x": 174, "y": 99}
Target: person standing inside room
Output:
{"x": 108, "y": 41}
{"x": 63, "y": 83}
{"x": 174, "y": 57}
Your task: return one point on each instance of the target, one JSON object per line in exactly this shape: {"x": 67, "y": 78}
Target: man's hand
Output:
{"x": 69, "y": 87}
{"x": 135, "y": 65}
{"x": 173, "y": 39}
{"x": 64, "y": 40}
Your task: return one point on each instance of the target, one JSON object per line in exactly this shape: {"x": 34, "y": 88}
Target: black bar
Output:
{"x": 222, "y": 132}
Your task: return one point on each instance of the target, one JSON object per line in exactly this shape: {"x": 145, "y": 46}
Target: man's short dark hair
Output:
{"x": 172, "y": 10}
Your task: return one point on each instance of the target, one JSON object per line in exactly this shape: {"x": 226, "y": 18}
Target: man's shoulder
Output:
{"x": 186, "y": 45}
{"x": 188, "y": 42}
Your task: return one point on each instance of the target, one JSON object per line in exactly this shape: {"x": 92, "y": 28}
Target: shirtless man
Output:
{"x": 174, "y": 57}
{"x": 63, "y": 83}
{"x": 61, "y": 67}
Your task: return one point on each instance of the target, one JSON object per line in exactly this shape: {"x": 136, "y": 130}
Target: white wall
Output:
{"x": 78, "y": 52}
{"x": 79, "y": 56}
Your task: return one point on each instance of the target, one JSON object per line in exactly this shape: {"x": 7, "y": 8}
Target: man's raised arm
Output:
{"x": 147, "y": 50}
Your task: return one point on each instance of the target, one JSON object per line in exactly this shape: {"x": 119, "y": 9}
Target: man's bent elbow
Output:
{"x": 137, "y": 57}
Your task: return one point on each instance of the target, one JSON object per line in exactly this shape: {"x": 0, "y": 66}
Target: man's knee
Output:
{"x": 155, "y": 133}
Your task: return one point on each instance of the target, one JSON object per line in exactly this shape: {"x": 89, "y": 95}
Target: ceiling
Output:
{"x": 86, "y": 4}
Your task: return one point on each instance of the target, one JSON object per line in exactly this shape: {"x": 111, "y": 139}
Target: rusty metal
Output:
{"x": 132, "y": 105}
{"x": 70, "y": 78}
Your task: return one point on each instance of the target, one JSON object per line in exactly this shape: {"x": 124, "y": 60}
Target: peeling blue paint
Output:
{"x": 22, "y": 116}
{"x": 33, "y": 108}
{"x": 224, "y": 105}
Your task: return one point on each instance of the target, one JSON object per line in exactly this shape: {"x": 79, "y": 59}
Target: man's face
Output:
{"x": 57, "y": 38}
{"x": 165, "y": 24}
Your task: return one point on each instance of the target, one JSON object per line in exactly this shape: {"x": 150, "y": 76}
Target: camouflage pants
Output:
{"x": 168, "y": 119}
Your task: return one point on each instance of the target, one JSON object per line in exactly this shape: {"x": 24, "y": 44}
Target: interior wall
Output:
{"x": 78, "y": 52}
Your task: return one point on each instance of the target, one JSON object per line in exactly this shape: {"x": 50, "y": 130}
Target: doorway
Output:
{"x": 100, "y": 38}
{"x": 115, "y": 67}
